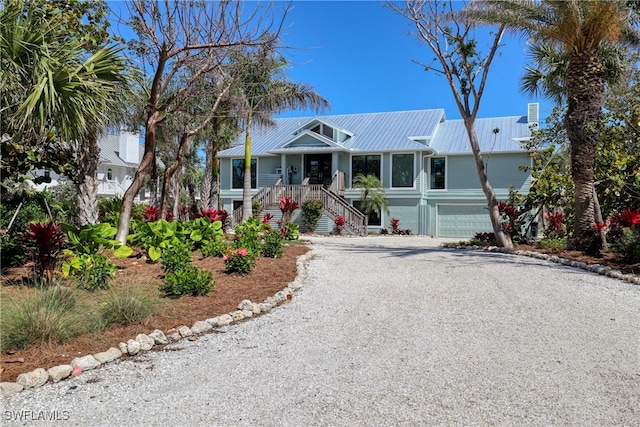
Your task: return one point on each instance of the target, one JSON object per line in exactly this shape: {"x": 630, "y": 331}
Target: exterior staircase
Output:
{"x": 334, "y": 205}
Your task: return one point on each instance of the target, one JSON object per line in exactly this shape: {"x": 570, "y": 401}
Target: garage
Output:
{"x": 462, "y": 220}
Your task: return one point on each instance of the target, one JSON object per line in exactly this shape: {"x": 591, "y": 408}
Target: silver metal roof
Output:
{"x": 109, "y": 152}
{"x": 384, "y": 132}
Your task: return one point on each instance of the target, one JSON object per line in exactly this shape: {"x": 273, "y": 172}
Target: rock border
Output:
{"x": 145, "y": 342}
{"x": 593, "y": 268}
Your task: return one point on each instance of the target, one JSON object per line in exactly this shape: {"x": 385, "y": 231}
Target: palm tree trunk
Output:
{"x": 86, "y": 211}
{"x": 247, "y": 211}
{"x": 585, "y": 91}
{"x": 502, "y": 238}
{"x": 205, "y": 197}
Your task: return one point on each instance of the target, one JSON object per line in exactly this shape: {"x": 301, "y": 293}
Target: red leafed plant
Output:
{"x": 627, "y": 218}
{"x": 339, "y": 222}
{"x": 287, "y": 206}
{"x": 48, "y": 238}
{"x": 395, "y": 225}
{"x": 213, "y": 214}
{"x": 556, "y": 219}
{"x": 169, "y": 215}
{"x": 151, "y": 213}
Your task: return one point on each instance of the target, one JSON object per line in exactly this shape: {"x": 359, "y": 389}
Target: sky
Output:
{"x": 360, "y": 57}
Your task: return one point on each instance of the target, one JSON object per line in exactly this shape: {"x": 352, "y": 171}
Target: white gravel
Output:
{"x": 387, "y": 331}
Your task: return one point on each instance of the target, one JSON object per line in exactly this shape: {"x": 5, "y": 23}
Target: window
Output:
{"x": 365, "y": 165}
{"x": 437, "y": 173}
{"x": 402, "y": 170}
{"x": 109, "y": 174}
{"x": 374, "y": 218}
{"x": 323, "y": 129}
{"x": 237, "y": 173}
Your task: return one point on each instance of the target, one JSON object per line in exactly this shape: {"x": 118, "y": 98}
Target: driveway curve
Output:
{"x": 388, "y": 331}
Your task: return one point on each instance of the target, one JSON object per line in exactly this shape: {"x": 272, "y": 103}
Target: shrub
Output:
{"x": 126, "y": 305}
{"x": 248, "y": 236}
{"x": 482, "y": 238}
{"x": 256, "y": 208}
{"x": 311, "y": 213}
{"x": 273, "y": 244}
{"x": 12, "y": 250}
{"x": 287, "y": 207}
{"x": 151, "y": 213}
{"x": 289, "y": 230}
{"x": 238, "y": 261}
{"x": 47, "y": 318}
{"x": 628, "y": 244}
{"x": 48, "y": 239}
{"x": 339, "y": 222}
{"x": 175, "y": 257}
{"x": 214, "y": 248}
{"x": 557, "y": 244}
{"x": 189, "y": 280}
{"x": 557, "y": 228}
{"x": 94, "y": 272}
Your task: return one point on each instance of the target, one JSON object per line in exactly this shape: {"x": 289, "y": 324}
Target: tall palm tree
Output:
{"x": 264, "y": 89}
{"x": 580, "y": 29}
{"x": 372, "y": 198}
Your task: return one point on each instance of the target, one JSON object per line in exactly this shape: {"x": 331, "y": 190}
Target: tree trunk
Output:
{"x": 86, "y": 211}
{"x": 585, "y": 94}
{"x": 153, "y": 184}
{"x": 246, "y": 187}
{"x": 148, "y": 159}
{"x": 503, "y": 239}
{"x": 205, "y": 197}
{"x": 169, "y": 172}
{"x": 215, "y": 181}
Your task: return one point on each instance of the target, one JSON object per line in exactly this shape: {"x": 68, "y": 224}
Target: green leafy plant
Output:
{"x": 248, "y": 236}
{"x": 552, "y": 244}
{"x": 203, "y": 230}
{"x": 158, "y": 235}
{"x": 273, "y": 246}
{"x": 92, "y": 238}
{"x": 189, "y": 280}
{"x": 290, "y": 231}
{"x": 214, "y": 248}
{"x": 238, "y": 261}
{"x": 127, "y": 305}
{"x": 175, "y": 257}
{"x": 93, "y": 271}
{"x": 311, "y": 213}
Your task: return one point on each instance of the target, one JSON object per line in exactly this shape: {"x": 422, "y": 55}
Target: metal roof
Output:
{"x": 385, "y": 132}
{"x": 494, "y": 134}
{"x": 109, "y": 152}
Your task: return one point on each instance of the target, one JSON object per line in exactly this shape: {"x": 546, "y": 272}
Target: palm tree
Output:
{"x": 60, "y": 94}
{"x": 264, "y": 90}
{"x": 372, "y": 198}
{"x": 580, "y": 29}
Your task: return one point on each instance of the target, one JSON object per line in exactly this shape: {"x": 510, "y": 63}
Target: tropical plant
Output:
{"x": 581, "y": 30}
{"x": 189, "y": 280}
{"x": 339, "y": 222}
{"x": 273, "y": 246}
{"x": 48, "y": 238}
{"x": 158, "y": 235}
{"x": 92, "y": 271}
{"x": 247, "y": 236}
{"x": 239, "y": 261}
{"x": 175, "y": 257}
{"x": 311, "y": 213}
{"x": 372, "y": 197}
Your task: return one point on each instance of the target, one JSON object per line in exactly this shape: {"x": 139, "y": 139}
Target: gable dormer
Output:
{"x": 327, "y": 130}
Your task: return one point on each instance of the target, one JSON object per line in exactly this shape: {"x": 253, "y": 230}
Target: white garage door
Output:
{"x": 462, "y": 220}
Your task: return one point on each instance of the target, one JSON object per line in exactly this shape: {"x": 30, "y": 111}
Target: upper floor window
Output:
{"x": 109, "y": 174}
{"x": 323, "y": 129}
{"x": 368, "y": 164}
{"x": 237, "y": 173}
{"x": 437, "y": 173}
{"x": 402, "y": 172}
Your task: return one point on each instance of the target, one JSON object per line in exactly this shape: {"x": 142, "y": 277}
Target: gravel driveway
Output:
{"x": 388, "y": 331}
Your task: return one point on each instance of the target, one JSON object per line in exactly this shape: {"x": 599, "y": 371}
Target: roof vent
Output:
{"x": 533, "y": 113}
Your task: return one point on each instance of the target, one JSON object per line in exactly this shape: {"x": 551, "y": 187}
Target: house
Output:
{"x": 423, "y": 160}
{"x": 120, "y": 156}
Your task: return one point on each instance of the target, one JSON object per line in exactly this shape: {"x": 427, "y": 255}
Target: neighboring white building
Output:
{"x": 120, "y": 155}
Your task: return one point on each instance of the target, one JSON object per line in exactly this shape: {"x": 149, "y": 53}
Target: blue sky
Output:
{"x": 359, "y": 55}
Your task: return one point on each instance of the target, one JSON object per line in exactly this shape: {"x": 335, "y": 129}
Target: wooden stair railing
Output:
{"x": 334, "y": 206}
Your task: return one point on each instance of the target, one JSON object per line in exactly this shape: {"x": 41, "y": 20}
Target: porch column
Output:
{"x": 334, "y": 163}
{"x": 283, "y": 168}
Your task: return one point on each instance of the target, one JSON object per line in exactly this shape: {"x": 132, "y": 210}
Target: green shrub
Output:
{"x": 239, "y": 261}
{"x": 47, "y": 318}
{"x": 12, "y": 250}
{"x": 189, "y": 280}
{"x": 290, "y": 231}
{"x": 127, "y": 305}
{"x": 247, "y": 236}
{"x": 553, "y": 244}
{"x": 214, "y": 248}
{"x": 273, "y": 244}
{"x": 175, "y": 257}
{"x": 311, "y": 214}
{"x": 95, "y": 272}
{"x": 628, "y": 244}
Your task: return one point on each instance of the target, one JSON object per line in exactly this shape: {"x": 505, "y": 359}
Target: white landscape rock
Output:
{"x": 159, "y": 337}
{"x": 200, "y": 327}
{"x": 145, "y": 342}
{"x": 173, "y": 334}
{"x": 256, "y": 308}
{"x": 133, "y": 347}
{"x": 108, "y": 356}
{"x": 245, "y": 305}
{"x": 85, "y": 362}
{"x": 58, "y": 373}
{"x": 7, "y": 389}
{"x": 184, "y": 331}
{"x": 35, "y": 378}
{"x": 123, "y": 348}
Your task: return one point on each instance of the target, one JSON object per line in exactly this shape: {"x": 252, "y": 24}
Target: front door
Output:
{"x": 318, "y": 169}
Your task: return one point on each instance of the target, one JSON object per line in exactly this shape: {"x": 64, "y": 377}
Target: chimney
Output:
{"x": 533, "y": 113}
{"x": 129, "y": 146}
